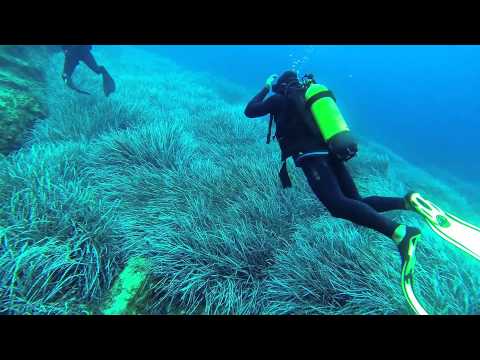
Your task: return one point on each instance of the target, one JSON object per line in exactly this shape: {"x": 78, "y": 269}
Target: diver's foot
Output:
{"x": 407, "y": 248}
{"x": 408, "y": 201}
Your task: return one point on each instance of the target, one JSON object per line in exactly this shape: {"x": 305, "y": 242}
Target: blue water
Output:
{"x": 420, "y": 101}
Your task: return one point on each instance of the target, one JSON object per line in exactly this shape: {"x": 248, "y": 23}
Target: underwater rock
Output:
{"x": 126, "y": 293}
{"x": 21, "y": 81}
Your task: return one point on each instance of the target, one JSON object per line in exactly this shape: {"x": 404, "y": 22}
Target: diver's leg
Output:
{"x": 69, "y": 67}
{"x": 108, "y": 82}
{"x": 325, "y": 184}
{"x": 345, "y": 180}
{"x": 405, "y": 237}
{"x": 89, "y": 60}
{"x": 379, "y": 203}
{"x": 385, "y": 203}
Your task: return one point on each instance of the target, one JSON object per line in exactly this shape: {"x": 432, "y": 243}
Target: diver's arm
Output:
{"x": 257, "y": 107}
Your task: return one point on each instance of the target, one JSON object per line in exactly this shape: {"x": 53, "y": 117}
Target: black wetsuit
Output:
{"x": 328, "y": 177}
{"x": 76, "y": 53}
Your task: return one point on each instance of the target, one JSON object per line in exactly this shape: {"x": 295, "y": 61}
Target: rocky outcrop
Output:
{"x": 128, "y": 290}
{"x": 21, "y": 83}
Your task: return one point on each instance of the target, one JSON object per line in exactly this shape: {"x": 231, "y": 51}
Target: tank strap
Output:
{"x": 322, "y": 94}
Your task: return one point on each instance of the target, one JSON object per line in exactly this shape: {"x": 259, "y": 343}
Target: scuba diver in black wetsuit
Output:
{"x": 323, "y": 161}
{"x": 76, "y": 53}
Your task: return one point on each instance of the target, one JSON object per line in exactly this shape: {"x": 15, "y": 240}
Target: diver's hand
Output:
{"x": 270, "y": 80}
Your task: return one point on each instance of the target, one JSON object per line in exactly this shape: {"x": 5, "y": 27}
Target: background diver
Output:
{"x": 76, "y": 53}
{"x": 323, "y": 163}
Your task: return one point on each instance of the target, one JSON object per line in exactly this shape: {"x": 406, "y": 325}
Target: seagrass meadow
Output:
{"x": 164, "y": 199}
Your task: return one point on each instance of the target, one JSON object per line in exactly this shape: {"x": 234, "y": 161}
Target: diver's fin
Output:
{"x": 408, "y": 245}
{"x": 407, "y": 250}
{"x": 407, "y": 287}
{"x": 108, "y": 84}
{"x": 458, "y": 232}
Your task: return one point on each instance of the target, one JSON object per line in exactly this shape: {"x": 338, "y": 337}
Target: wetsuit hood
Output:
{"x": 287, "y": 78}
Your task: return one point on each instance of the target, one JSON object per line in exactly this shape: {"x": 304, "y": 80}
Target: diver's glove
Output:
{"x": 270, "y": 80}
{"x": 343, "y": 146}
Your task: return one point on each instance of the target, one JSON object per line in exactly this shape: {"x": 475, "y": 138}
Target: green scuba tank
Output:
{"x": 330, "y": 121}
{"x": 325, "y": 111}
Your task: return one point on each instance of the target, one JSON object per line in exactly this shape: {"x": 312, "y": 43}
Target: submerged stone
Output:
{"x": 127, "y": 289}
{"x": 21, "y": 82}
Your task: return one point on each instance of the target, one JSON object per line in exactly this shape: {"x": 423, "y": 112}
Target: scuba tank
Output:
{"x": 322, "y": 104}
